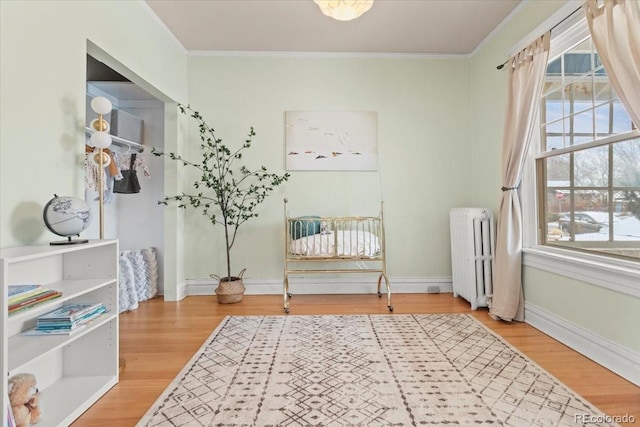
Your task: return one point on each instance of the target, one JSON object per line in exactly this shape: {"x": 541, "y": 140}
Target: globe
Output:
{"x": 67, "y": 216}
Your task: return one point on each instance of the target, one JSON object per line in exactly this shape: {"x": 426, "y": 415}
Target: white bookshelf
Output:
{"x": 73, "y": 371}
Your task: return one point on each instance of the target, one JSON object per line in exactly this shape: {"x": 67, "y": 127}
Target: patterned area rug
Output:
{"x": 364, "y": 370}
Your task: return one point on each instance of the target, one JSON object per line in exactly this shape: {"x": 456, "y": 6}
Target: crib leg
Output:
{"x": 386, "y": 280}
{"x": 285, "y": 294}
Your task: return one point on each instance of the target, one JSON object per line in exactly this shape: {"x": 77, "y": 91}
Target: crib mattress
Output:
{"x": 338, "y": 243}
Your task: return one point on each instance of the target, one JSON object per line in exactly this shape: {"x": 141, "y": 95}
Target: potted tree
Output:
{"x": 227, "y": 193}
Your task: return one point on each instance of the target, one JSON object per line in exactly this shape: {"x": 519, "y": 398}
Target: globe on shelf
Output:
{"x": 66, "y": 217}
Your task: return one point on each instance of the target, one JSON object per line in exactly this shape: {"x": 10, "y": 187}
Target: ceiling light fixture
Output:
{"x": 344, "y": 10}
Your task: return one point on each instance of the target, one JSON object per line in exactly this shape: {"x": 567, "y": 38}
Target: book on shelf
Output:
{"x": 66, "y": 320}
{"x": 58, "y": 325}
{"x": 70, "y": 312}
{"x": 33, "y": 301}
{"x": 85, "y": 318}
{"x": 37, "y": 297}
{"x": 42, "y": 332}
{"x": 18, "y": 291}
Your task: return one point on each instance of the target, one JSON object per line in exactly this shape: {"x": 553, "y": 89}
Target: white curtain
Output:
{"x": 527, "y": 71}
{"x": 615, "y": 31}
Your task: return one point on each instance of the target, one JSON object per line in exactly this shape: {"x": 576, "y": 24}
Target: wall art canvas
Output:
{"x": 331, "y": 141}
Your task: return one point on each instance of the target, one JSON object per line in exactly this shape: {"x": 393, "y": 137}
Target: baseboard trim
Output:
{"x": 329, "y": 285}
{"x": 613, "y": 356}
{"x": 181, "y": 292}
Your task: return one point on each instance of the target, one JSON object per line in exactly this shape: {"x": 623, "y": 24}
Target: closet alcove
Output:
{"x": 136, "y": 220}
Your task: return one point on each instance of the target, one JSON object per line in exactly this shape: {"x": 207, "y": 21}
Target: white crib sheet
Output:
{"x": 349, "y": 243}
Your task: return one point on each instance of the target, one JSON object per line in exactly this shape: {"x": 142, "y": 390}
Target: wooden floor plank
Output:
{"x": 159, "y": 338}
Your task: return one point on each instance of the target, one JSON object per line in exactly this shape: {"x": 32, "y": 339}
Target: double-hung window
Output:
{"x": 588, "y": 165}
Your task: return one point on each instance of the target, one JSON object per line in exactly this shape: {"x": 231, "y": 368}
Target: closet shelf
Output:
{"x": 121, "y": 142}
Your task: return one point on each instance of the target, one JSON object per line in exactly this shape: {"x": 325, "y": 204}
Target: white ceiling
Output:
{"x": 422, "y": 27}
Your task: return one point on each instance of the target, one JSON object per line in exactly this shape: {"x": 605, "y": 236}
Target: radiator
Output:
{"x": 472, "y": 248}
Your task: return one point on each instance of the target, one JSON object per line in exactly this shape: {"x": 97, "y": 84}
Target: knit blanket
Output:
{"x": 138, "y": 277}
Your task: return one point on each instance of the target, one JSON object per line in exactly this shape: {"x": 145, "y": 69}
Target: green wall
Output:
{"x": 603, "y": 312}
{"x": 423, "y": 142}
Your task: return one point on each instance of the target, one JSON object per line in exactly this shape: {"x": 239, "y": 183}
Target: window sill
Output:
{"x": 616, "y": 275}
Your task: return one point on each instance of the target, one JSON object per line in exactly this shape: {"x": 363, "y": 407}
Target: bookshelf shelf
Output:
{"x": 73, "y": 371}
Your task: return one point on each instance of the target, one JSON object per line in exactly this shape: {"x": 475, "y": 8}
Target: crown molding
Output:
{"x": 348, "y": 55}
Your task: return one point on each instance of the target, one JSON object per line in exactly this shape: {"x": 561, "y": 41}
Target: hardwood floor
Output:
{"x": 159, "y": 338}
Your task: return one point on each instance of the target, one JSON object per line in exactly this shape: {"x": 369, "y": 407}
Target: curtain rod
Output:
{"x": 501, "y": 66}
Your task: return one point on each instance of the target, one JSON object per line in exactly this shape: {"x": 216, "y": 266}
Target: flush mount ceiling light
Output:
{"x": 344, "y": 10}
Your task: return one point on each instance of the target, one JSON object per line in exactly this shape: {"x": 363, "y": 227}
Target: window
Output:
{"x": 588, "y": 166}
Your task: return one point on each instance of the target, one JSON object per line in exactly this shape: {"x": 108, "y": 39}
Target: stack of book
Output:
{"x": 23, "y": 297}
{"x": 67, "y": 319}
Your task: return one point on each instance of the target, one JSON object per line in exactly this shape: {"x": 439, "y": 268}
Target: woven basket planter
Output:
{"x": 230, "y": 291}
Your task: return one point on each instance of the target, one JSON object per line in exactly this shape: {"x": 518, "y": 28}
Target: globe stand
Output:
{"x": 69, "y": 241}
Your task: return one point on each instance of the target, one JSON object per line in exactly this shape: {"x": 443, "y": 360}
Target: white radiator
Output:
{"x": 472, "y": 248}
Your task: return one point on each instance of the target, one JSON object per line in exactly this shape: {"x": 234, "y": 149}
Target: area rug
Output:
{"x": 364, "y": 370}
